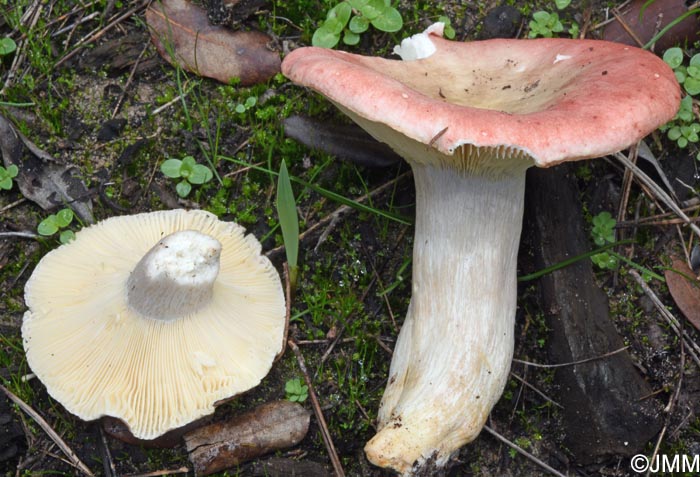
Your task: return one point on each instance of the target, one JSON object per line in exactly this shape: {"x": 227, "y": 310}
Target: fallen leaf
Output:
{"x": 41, "y": 178}
{"x": 655, "y": 16}
{"x": 685, "y": 290}
{"x": 183, "y": 36}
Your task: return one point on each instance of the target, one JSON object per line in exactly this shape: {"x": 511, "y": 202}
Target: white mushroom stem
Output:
{"x": 453, "y": 354}
{"x": 176, "y": 277}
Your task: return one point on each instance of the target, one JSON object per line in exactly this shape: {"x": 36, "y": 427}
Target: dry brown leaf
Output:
{"x": 656, "y": 15}
{"x": 685, "y": 290}
{"x": 41, "y": 178}
{"x": 183, "y": 35}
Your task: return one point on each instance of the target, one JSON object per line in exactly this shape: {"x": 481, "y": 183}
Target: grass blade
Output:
{"x": 289, "y": 220}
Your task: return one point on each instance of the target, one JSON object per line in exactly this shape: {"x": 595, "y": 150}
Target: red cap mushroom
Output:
{"x": 470, "y": 118}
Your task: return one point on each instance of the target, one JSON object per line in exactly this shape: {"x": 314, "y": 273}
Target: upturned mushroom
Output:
{"x": 470, "y": 118}
{"x": 153, "y": 318}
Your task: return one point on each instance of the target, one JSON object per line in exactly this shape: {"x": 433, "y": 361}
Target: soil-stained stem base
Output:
{"x": 453, "y": 354}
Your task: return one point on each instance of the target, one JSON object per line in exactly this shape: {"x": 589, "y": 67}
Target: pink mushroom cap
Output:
{"x": 555, "y": 100}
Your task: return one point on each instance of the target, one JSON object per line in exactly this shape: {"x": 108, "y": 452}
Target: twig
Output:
{"x": 691, "y": 347}
{"x": 572, "y": 363}
{"x": 108, "y": 462}
{"x": 537, "y": 391}
{"x": 165, "y": 106}
{"x": 660, "y": 193}
{"x": 29, "y": 235}
{"x": 627, "y": 28}
{"x": 156, "y": 473}
{"x": 129, "y": 80}
{"x": 13, "y": 204}
{"x": 525, "y": 453}
{"x": 75, "y": 461}
{"x": 97, "y": 35}
{"x": 287, "y": 310}
{"x": 70, "y": 27}
{"x": 335, "y": 461}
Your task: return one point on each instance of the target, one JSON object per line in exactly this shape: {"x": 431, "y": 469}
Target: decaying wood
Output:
{"x": 282, "y": 467}
{"x": 346, "y": 141}
{"x": 604, "y": 413}
{"x": 269, "y": 427}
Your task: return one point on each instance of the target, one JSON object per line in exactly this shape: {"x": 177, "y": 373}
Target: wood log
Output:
{"x": 269, "y": 427}
{"x": 606, "y": 411}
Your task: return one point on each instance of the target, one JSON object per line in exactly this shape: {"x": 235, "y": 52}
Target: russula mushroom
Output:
{"x": 153, "y": 318}
{"x": 470, "y": 118}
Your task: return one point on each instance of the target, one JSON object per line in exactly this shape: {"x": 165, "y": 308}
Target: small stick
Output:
{"x": 165, "y": 106}
{"x": 658, "y": 191}
{"x": 627, "y": 28}
{"x": 110, "y": 469}
{"x": 692, "y": 348}
{"x": 129, "y": 80}
{"x": 438, "y": 136}
{"x": 572, "y": 363}
{"x": 522, "y": 451}
{"x": 13, "y": 204}
{"x": 67, "y": 28}
{"x": 99, "y": 34}
{"x": 288, "y": 310}
{"x": 28, "y": 235}
{"x": 335, "y": 461}
{"x": 157, "y": 473}
{"x": 533, "y": 388}
{"x": 75, "y": 461}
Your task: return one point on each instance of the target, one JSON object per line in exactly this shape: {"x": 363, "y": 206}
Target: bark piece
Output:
{"x": 346, "y": 141}
{"x": 281, "y": 467}
{"x": 685, "y": 291}
{"x": 604, "y": 411}
{"x": 183, "y": 36}
{"x": 269, "y": 427}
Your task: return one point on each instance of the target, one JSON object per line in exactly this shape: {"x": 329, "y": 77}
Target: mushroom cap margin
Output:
{"x": 604, "y": 95}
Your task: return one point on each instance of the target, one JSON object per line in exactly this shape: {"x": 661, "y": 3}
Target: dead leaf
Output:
{"x": 41, "y": 178}
{"x": 183, "y": 35}
{"x": 685, "y": 290}
{"x": 656, "y": 15}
